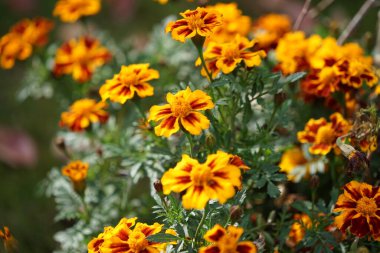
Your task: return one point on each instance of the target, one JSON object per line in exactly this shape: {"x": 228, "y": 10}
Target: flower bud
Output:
{"x": 210, "y": 140}
{"x": 314, "y": 181}
{"x": 280, "y": 98}
{"x": 362, "y": 249}
{"x": 60, "y": 144}
{"x": 158, "y": 186}
{"x": 235, "y": 213}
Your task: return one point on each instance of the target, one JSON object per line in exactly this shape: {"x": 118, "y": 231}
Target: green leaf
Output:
{"x": 273, "y": 190}
{"x": 162, "y": 238}
{"x": 293, "y": 77}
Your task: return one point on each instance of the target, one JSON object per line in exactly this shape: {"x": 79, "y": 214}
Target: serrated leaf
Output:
{"x": 273, "y": 190}
{"x": 163, "y": 238}
{"x": 293, "y": 78}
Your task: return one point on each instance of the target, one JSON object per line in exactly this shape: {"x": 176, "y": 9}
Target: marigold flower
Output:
{"x": 322, "y": 134}
{"x": 298, "y": 165}
{"x": 10, "y": 243}
{"x": 227, "y": 240}
{"x": 124, "y": 238}
{"x": 82, "y": 113}
{"x": 19, "y": 42}
{"x": 354, "y": 72}
{"x": 268, "y": 29}
{"x": 294, "y": 50}
{"x": 76, "y": 171}
{"x": 199, "y": 22}
{"x": 34, "y": 31}
{"x": 131, "y": 79}
{"x": 233, "y": 22}
{"x": 321, "y": 82}
{"x": 298, "y": 229}
{"x": 80, "y": 58}
{"x": 225, "y": 57}
{"x": 368, "y": 144}
{"x": 13, "y": 47}
{"x": 182, "y": 108}
{"x": 72, "y": 10}
{"x": 214, "y": 179}
{"x": 359, "y": 206}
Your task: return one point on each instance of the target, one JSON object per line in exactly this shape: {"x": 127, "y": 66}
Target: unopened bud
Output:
{"x": 362, "y": 249}
{"x": 60, "y": 143}
{"x": 280, "y": 98}
{"x": 158, "y": 186}
{"x": 314, "y": 181}
{"x": 253, "y": 218}
{"x": 210, "y": 140}
{"x": 235, "y": 213}
{"x": 99, "y": 152}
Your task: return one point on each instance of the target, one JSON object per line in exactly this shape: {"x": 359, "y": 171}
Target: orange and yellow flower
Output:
{"x": 227, "y": 240}
{"x": 34, "y": 31}
{"x": 322, "y": 134}
{"x": 215, "y": 179}
{"x": 297, "y": 165}
{"x": 368, "y": 144}
{"x": 199, "y": 22}
{"x": 225, "y": 57}
{"x": 294, "y": 51}
{"x": 182, "y": 109}
{"x": 76, "y": 171}
{"x": 22, "y": 37}
{"x": 82, "y": 113}
{"x": 233, "y": 23}
{"x": 331, "y": 67}
{"x": 72, "y": 10}
{"x": 123, "y": 238}
{"x": 359, "y": 208}
{"x": 298, "y": 229}
{"x": 268, "y": 29}
{"x": 80, "y": 58}
{"x": 10, "y": 243}
{"x": 131, "y": 79}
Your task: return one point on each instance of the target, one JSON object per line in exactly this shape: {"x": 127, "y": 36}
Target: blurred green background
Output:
{"x": 27, "y": 128}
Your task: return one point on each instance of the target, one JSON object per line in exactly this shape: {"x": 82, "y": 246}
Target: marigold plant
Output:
{"x": 223, "y": 130}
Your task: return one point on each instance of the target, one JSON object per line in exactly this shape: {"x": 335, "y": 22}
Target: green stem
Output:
{"x": 200, "y": 225}
{"x": 140, "y": 110}
{"x": 190, "y": 139}
{"x": 200, "y": 52}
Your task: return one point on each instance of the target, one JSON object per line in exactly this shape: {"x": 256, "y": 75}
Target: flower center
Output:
{"x": 180, "y": 108}
{"x": 201, "y": 176}
{"x": 231, "y": 52}
{"x": 128, "y": 80}
{"x": 325, "y": 134}
{"x": 195, "y": 22}
{"x": 228, "y": 243}
{"x": 137, "y": 241}
{"x": 366, "y": 206}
